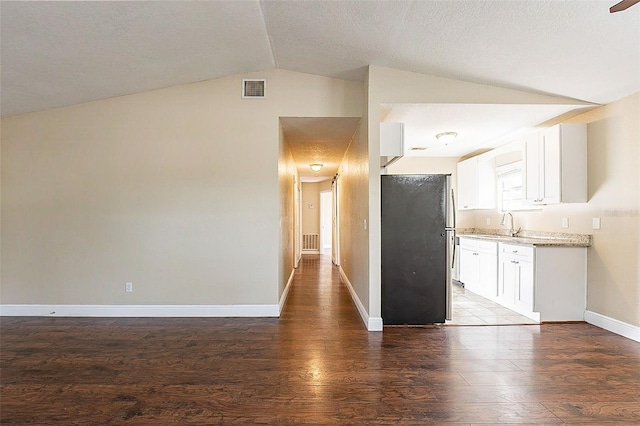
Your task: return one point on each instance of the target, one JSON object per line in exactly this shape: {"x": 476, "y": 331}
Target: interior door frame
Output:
{"x": 323, "y": 207}
{"x": 297, "y": 225}
{"x": 335, "y": 245}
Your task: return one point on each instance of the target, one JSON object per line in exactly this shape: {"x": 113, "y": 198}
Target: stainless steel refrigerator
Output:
{"x": 418, "y": 236}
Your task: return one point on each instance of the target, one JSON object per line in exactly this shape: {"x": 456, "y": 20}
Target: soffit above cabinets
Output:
{"x": 479, "y": 126}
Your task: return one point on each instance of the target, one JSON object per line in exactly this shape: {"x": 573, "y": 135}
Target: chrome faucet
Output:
{"x": 504, "y": 222}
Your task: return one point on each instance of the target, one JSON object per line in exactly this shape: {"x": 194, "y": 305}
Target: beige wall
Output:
{"x": 613, "y": 264}
{"x": 393, "y": 86}
{"x": 353, "y": 183}
{"x": 287, "y": 178}
{"x": 310, "y": 208}
{"x": 311, "y": 197}
{"x": 353, "y": 188}
{"x": 176, "y": 190}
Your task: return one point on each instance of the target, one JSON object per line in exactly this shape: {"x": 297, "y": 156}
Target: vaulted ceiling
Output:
{"x": 63, "y": 53}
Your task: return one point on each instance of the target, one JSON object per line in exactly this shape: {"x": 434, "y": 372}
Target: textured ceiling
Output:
{"x": 62, "y": 53}
{"x": 318, "y": 140}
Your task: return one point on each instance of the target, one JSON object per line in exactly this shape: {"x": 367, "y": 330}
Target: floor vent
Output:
{"x": 310, "y": 242}
{"x": 254, "y": 88}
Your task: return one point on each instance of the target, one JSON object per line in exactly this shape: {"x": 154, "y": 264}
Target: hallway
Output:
{"x": 316, "y": 364}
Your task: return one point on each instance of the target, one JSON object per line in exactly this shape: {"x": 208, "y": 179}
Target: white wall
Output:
{"x": 176, "y": 190}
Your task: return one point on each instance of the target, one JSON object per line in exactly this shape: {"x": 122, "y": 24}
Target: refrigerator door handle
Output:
{"x": 453, "y": 209}
{"x": 453, "y": 255}
{"x": 452, "y": 249}
{"x": 453, "y": 228}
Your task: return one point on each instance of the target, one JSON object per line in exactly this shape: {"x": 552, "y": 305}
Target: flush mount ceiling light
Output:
{"x": 418, "y": 148}
{"x": 315, "y": 167}
{"x": 446, "y": 137}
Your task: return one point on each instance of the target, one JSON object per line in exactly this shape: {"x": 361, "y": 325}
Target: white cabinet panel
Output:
{"x": 477, "y": 183}
{"x": 524, "y": 285}
{"x": 391, "y": 139}
{"x": 556, "y": 165}
{"x": 467, "y": 184}
{"x": 469, "y": 269}
{"x": 478, "y": 266}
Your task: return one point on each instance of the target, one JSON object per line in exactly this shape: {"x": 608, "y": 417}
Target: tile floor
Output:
{"x": 472, "y": 309}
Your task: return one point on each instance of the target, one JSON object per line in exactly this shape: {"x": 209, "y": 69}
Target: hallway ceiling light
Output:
{"x": 446, "y": 137}
{"x": 315, "y": 167}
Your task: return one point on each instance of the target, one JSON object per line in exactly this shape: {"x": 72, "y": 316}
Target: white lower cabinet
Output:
{"x": 516, "y": 278}
{"x": 543, "y": 283}
{"x": 478, "y": 266}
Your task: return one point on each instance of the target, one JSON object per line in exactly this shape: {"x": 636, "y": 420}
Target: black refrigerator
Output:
{"x": 418, "y": 236}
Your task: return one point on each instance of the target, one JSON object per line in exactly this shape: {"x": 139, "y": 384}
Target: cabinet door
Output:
{"x": 488, "y": 275}
{"x": 551, "y": 158}
{"x": 506, "y": 281}
{"x": 469, "y": 264}
{"x": 486, "y": 183}
{"x": 467, "y": 184}
{"x": 532, "y": 168}
{"x": 524, "y": 285}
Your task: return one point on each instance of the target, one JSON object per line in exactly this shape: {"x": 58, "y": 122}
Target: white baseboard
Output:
{"x": 140, "y": 310}
{"x": 372, "y": 323}
{"x": 285, "y": 293}
{"x": 613, "y": 325}
{"x": 375, "y": 324}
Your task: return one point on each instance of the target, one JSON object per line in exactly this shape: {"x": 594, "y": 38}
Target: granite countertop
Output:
{"x": 532, "y": 238}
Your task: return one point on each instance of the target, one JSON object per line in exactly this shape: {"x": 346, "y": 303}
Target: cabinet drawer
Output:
{"x": 489, "y": 247}
{"x": 517, "y": 251}
{"x": 469, "y": 243}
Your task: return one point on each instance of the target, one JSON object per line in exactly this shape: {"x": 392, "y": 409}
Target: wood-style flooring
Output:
{"x": 316, "y": 364}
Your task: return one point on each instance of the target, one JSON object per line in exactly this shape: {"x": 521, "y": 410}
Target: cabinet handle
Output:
{"x": 515, "y": 262}
{"x": 514, "y": 251}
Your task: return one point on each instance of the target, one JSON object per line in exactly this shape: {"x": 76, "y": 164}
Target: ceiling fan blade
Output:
{"x": 624, "y": 4}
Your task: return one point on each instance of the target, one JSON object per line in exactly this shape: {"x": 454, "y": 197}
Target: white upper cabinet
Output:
{"x": 555, "y": 165}
{"x": 391, "y": 139}
{"x": 477, "y": 183}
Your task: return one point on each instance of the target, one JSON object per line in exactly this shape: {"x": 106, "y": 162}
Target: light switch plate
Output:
{"x": 596, "y": 223}
{"x": 565, "y": 222}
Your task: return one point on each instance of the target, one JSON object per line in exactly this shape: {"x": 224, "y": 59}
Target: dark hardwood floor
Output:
{"x": 316, "y": 364}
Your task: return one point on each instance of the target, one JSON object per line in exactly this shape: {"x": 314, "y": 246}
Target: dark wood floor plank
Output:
{"x": 316, "y": 364}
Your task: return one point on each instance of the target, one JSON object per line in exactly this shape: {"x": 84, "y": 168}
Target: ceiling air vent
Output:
{"x": 254, "y": 88}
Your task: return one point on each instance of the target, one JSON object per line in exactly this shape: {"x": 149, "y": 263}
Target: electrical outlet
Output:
{"x": 364, "y": 223}
{"x": 565, "y": 222}
{"x": 596, "y": 223}
{"x": 128, "y": 287}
